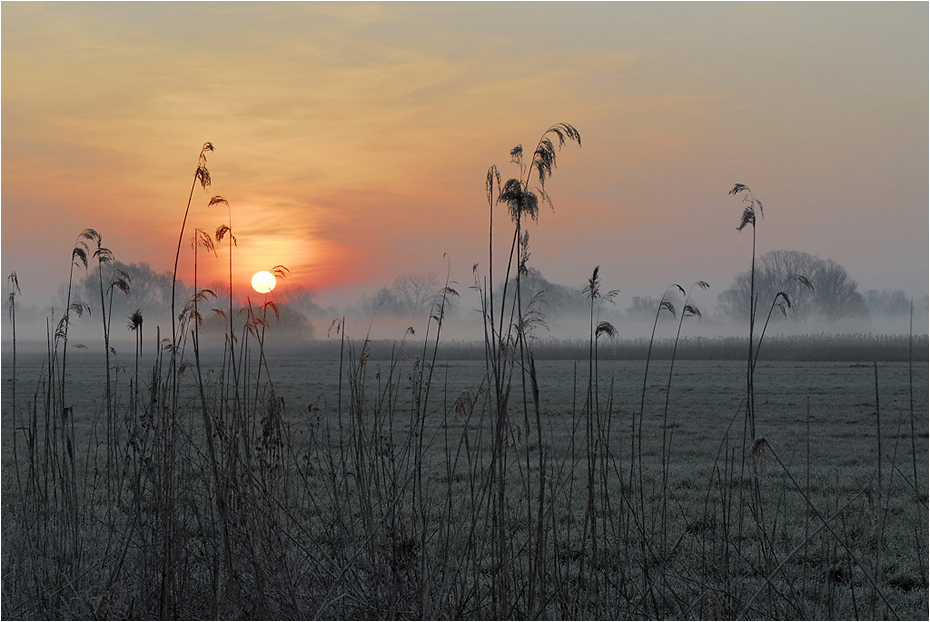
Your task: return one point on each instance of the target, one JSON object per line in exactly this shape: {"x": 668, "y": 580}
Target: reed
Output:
{"x": 403, "y": 483}
{"x": 596, "y": 437}
{"x": 749, "y": 218}
{"x": 120, "y": 280}
{"x": 687, "y": 310}
{"x": 11, "y": 300}
{"x": 509, "y": 347}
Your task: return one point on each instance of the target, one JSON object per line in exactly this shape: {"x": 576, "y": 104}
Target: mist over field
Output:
{"x": 302, "y": 321}
{"x": 466, "y": 326}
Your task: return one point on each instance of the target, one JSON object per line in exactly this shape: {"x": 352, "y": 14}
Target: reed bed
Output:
{"x": 848, "y": 348}
{"x": 404, "y": 490}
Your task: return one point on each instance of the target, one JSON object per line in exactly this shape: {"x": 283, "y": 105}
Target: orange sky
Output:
{"x": 352, "y": 140}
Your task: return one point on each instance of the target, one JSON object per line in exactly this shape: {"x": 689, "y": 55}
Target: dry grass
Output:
{"x": 383, "y": 483}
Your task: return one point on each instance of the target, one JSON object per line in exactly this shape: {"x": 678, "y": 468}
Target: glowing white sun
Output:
{"x": 263, "y": 282}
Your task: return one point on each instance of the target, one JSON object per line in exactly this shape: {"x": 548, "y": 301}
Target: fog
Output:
{"x": 462, "y": 323}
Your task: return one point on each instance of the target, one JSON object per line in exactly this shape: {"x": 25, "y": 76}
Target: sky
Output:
{"x": 352, "y": 140}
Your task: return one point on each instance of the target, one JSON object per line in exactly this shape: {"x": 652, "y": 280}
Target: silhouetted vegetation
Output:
{"x": 799, "y": 348}
{"x": 399, "y": 486}
{"x": 834, "y": 294}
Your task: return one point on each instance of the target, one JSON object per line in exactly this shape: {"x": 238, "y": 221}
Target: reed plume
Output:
{"x": 749, "y": 218}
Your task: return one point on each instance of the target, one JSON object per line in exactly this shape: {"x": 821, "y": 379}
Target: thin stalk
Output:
{"x": 202, "y": 175}
{"x": 686, "y": 310}
{"x": 169, "y": 425}
{"x": 78, "y": 252}
{"x": 636, "y": 437}
{"x": 750, "y": 366}
{"x": 135, "y": 325}
{"x": 880, "y": 499}
{"x": 12, "y": 299}
{"x": 103, "y": 256}
{"x": 749, "y": 218}
{"x": 910, "y": 386}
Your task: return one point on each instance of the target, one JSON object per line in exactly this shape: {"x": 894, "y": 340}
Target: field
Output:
{"x": 393, "y": 482}
{"x": 508, "y": 478}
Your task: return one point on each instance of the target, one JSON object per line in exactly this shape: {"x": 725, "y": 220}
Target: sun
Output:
{"x": 263, "y": 282}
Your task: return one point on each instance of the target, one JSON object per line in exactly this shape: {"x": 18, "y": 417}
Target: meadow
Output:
{"x": 402, "y": 479}
{"x": 350, "y": 500}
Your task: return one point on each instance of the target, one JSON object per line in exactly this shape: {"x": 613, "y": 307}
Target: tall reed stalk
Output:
{"x": 510, "y": 346}
{"x": 78, "y": 254}
{"x": 687, "y": 310}
{"x": 135, "y": 326}
{"x": 169, "y": 423}
{"x": 118, "y": 280}
{"x": 201, "y": 175}
{"x": 749, "y": 218}
{"x": 230, "y": 377}
{"x": 918, "y": 541}
{"x": 68, "y": 471}
{"x": 14, "y": 291}
{"x": 595, "y": 438}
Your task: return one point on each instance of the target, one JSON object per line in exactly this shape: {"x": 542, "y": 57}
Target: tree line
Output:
{"x": 834, "y": 295}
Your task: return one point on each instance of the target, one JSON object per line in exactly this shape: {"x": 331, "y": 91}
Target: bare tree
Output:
{"x": 301, "y": 299}
{"x": 834, "y": 295}
{"x": 416, "y": 291}
{"x": 890, "y": 303}
{"x": 382, "y": 302}
{"x": 642, "y": 308}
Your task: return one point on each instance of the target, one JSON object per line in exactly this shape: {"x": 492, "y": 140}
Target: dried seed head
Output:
{"x": 464, "y": 404}
{"x": 545, "y": 155}
{"x": 691, "y": 311}
{"x": 605, "y": 328}
{"x": 15, "y": 281}
{"x": 749, "y": 218}
{"x": 757, "y": 454}
{"x": 803, "y": 281}
{"x": 668, "y": 306}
